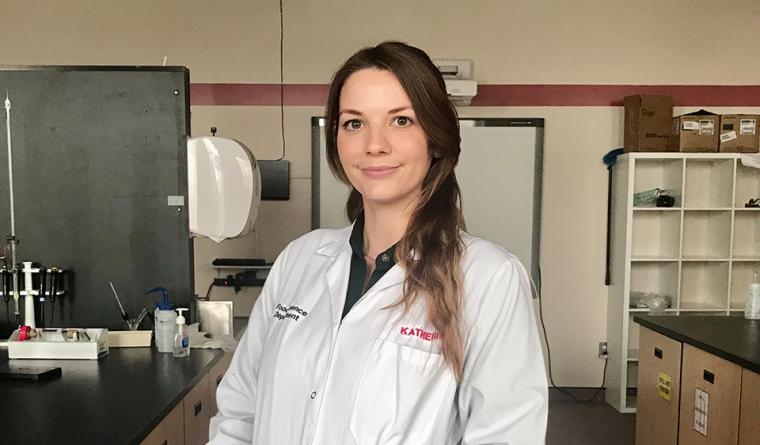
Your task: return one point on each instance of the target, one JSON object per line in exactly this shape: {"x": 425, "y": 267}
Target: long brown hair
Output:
{"x": 432, "y": 247}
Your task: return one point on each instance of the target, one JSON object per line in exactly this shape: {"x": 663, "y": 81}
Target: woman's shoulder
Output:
{"x": 319, "y": 241}
{"x": 483, "y": 255}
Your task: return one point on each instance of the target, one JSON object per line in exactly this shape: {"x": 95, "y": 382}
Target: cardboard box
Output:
{"x": 739, "y": 133}
{"x": 696, "y": 132}
{"x": 647, "y": 123}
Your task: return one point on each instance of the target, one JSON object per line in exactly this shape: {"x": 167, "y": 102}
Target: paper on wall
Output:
{"x": 701, "y": 403}
{"x": 728, "y": 136}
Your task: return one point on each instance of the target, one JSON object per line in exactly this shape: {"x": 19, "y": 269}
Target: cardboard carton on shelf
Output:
{"x": 696, "y": 132}
{"x": 647, "y": 123}
{"x": 739, "y": 133}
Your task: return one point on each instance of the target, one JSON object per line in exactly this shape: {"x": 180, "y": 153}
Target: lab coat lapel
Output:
{"x": 338, "y": 270}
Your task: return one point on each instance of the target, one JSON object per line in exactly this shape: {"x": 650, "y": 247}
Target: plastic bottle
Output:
{"x": 181, "y": 337}
{"x": 752, "y": 304}
{"x": 165, "y": 320}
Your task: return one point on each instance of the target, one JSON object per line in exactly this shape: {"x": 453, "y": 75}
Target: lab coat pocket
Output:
{"x": 403, "y": 396}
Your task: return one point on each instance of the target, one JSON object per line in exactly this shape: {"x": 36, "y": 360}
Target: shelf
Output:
{"x": 665, "y": 174}
{"x": 701, "y": 307}
{"x": 742, "y": 274}
{"x": 747, "y": 184}
{"x": 655, "y": 277}
{"x": 747, "y": 259}
{"x": 653, "y": 259}
{"x": 707, "y": 209}
{"x": 706, "y": 234}
{"x": 708, "y": 183}
{"x": 704, "y": 286}
{"x": 747, "y": 209}
{"x": 747, "y": 234}
{"x": 704, "y": 259}
{"x": 656, "y": 235}
{"x": 657, "y": 209}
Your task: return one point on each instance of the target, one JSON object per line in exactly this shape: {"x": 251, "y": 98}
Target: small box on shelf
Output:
{"x": 696, "y": 132}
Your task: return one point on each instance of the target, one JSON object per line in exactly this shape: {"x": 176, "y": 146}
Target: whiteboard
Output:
{"x": 500, "y": 174}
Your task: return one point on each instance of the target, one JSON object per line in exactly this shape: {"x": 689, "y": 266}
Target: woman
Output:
{"x": 401, "y": 329}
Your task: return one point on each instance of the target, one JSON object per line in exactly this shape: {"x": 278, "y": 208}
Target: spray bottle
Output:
{"x": 165, "y": 319}
{"x": 181, "y": 337}
{"x": 752, "y": 304}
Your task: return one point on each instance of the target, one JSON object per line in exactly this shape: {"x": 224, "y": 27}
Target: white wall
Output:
{"x": 540, "y": 42}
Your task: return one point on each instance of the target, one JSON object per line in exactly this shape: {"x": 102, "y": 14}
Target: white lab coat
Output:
{"x": 300, "y": 376}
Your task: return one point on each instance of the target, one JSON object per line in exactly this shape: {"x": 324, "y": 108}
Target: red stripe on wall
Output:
{"x": 258, "y": 94}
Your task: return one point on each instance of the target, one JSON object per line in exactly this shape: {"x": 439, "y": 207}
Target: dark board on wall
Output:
{"x": 97, "y": 151}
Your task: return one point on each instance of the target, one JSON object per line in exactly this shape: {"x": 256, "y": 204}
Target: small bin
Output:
{"x": 129, "y": 339}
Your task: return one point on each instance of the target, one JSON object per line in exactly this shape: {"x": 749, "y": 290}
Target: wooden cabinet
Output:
{"x": 659, "y": 384}
{"x": 197, "y": 404}
{"x": 170, "y": 431}
{"x": 188, "y": 422}
{"x": 749, "y": 420}
{"x": 710, "y": 392}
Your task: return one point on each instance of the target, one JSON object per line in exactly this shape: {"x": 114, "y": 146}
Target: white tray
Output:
{"x": 78, "y": 350}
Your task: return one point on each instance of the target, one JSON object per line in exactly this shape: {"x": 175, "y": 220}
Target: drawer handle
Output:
{"x": 658, "y": 352}
{"x": 709, "y": 376}
{"x": 219, "y": 379}
{"x": 198, "y": 407}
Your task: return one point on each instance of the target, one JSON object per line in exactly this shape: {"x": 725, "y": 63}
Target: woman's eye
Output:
{"x": 352, "y": 124}
{"x": 403, "y": 121}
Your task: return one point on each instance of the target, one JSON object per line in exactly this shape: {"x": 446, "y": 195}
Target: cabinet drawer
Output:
{"x": 718, "y": 383}
{"x": 196, "y": 416}
{"x": 659, "y": 389}
{"x": 215, "y": 377}
{"x": 170, "y": 431}
{"x": 749, "y": 422}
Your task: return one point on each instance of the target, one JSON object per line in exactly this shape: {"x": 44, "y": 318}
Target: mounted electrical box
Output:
{"x": 457, "y": 73}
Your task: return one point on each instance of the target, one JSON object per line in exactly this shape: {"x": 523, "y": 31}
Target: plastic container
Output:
{"x": 165, "y": 321}
{"x": 752, "y": 303}
{"x": 181, "y": 337}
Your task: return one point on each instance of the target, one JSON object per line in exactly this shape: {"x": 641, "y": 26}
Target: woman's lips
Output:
{"x": 378, "y": 172}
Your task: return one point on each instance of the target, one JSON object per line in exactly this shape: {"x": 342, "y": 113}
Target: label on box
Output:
{"x": 747, "y": 126}
{"x": 706, "y": 127}
{"x": 728, "y": 136}
{"x": 690, "y": 125}
{"x": 664, "y": 385}
{"x": 701, "y": 404}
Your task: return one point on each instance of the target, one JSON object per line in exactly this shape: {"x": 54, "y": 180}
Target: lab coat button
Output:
{"x": 313, "y": 395}
{"x": 385, "y": 258}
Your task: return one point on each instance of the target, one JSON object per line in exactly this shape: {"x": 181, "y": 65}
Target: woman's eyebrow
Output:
{"x": 349, "y": 111}
{"x": 359, "y": 113}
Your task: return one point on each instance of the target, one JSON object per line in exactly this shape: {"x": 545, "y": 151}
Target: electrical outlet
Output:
{"x": 602, "y": 349}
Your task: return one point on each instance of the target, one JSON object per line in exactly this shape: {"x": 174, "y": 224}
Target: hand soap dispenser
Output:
{"x": 181, "y": 338}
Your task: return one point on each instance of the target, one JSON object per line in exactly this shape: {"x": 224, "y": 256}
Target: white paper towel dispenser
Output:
{"x": 224, "y": 188}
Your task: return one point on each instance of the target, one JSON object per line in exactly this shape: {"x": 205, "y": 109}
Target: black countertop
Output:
{"x": 730, "y": 337}
{"x": 117, "y": 399}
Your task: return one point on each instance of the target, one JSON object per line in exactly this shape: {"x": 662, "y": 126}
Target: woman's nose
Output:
{"x": 378, "y": 142}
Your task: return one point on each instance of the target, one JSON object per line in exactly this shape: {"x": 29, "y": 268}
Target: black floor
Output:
{"x": 596, "y": 422}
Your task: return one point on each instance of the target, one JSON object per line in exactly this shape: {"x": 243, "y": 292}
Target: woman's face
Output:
{"x": 381, "y": 146}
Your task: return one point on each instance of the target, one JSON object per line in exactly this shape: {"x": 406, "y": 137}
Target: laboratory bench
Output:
{"x": 698, "y": 380}
{"x": 129, "y": 396}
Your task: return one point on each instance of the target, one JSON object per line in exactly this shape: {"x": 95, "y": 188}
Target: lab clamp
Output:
{"x": 49, "y": 286}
